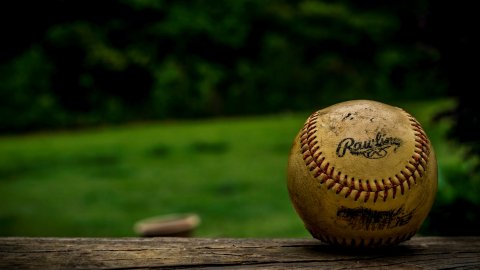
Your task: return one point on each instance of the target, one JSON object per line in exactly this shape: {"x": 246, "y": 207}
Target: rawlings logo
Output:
{"x": 373, "y": 148}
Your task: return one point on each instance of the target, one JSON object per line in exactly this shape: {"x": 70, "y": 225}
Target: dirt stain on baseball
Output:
{"x": 349, "y": 116}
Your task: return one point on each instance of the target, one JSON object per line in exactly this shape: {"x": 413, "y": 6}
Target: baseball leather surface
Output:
{"x": 362, "y": 173}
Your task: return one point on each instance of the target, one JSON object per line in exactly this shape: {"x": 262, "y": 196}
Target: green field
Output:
{"x": 98, "y": 182}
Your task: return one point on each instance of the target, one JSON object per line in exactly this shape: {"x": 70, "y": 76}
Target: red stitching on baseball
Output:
{"x": 316, "y": 163}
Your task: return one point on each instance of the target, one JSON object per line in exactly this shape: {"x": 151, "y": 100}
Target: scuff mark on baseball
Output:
{"x": 366, "y": 182}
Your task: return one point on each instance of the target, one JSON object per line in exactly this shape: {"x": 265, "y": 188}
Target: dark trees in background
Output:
{"x": 77, "y": 63}
{"x": 451, "y": 30}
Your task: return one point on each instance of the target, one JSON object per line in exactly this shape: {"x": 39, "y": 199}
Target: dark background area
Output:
{"x": 78, "y": 64}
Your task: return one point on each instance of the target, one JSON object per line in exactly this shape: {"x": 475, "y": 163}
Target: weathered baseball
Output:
{"x": 362, "y": 173}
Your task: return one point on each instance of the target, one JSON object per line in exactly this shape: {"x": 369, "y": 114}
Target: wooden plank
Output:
{"x": 206, "y": 253}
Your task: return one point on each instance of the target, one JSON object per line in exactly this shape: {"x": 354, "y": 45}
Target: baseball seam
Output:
{"x": 363, "y": 189}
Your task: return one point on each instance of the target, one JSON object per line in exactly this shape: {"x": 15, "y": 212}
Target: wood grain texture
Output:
{"x": 207, "y": 253}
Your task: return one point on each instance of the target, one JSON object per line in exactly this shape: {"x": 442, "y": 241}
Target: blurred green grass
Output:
{"x": 231, "y": 172}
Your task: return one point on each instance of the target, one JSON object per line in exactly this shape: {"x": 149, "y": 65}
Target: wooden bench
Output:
{"x": 206, "y": 253}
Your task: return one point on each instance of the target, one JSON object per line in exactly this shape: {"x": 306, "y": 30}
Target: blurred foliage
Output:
{"x": 76, "y": 63}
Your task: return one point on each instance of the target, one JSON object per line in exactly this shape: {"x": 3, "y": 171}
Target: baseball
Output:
{"x": 362, "y": 173}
